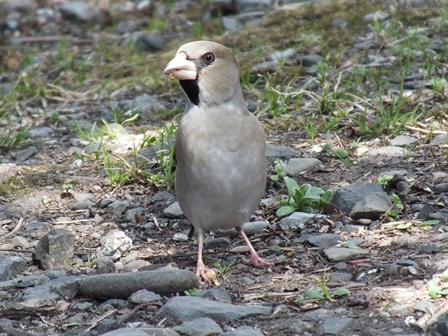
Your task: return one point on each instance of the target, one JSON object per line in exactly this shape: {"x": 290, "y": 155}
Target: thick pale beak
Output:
{"x": 181, "y": 68}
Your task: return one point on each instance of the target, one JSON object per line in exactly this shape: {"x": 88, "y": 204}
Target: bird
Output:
{"x": 220, "y": 146}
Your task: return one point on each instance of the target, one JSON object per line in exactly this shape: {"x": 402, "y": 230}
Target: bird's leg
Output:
{"x": 201, "y": 269}
{"x": 254, "y": 257}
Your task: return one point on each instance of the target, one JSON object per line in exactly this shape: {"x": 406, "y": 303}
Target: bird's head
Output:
{"x": 207, "y": 71}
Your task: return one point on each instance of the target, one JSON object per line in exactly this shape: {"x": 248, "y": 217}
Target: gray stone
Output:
{"x": 269, "y": 66}
{"x": 131, "y": 214}
{"x": 105, "y": 202}
{"x": 380, "y": 16}
{"x": 441, "y": 187}
{"x": 148, "y": 42}
{"x": 425, "y": 306}
{"x": 7, "y": 170}
{"x": 336, "y": 254}
{"x": 82, "y": 196}
{"x": 429, "y": 248}
{"x": 56, "y": 249}
{"x": 186, "y": 308}
{"x": 82, "y": 205}
{"x": 11, "y": 267}
{"x": 53, "y": 274}
{"x": 24, "y": 154}
{"x": 143, "y": 103}
{"x": 113, "y": 245}
{"x": 324, "y": 240}
{"x": 440, "y": 139}
{"x": 274, "y": 151}
{"x": 179, "y": 236}
{"x": 231, "y": 23}
{"x": 21, "y": 242}
{"x": 77, "y": 11}
{"x": 243, "y": 331}
{"x": 283, "y": 55}
{"x": 217, "y": 294}
{"x": 24, "y": 282}
{"x": 217, "y": 243}
{"x": 299, "y": 327}
{"x": 126, "y": 332}
{"x": 40, "y": 132}
{"x": 173, "y": 211}
{"x": 403, "y": 140}
{"x": 347, "y": 197}
{"x": 56, "y": 289}
{"x": 19, "y": 5}
{"x": 144, "y": 296}
{"x": 117, "y": 208}
{"x": 36, "y": 225}
{"x": 371, "y": 206}
{"x": 296, "y": 220}
{"x": 159, "y": 331}
{"x": 162, "y": 196}
{"x": 333, "y": 325}
{"x": 309, "y": 60}
{"x": 387, "y": 152}
{"x": 199, "y": 326}
{"x": 296, "y": 166}
{"x": 122, "y": 285}
{"x": 104, "y": 265}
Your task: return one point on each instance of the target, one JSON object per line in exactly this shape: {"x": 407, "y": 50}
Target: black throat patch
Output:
{"x": 191, "y": 88}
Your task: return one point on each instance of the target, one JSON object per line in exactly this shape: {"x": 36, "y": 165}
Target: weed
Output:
{"x": 438, "y": 286}
{"x": 398, "y": 206}
{"x": 304, "y": 198}
{"x": 339, "y": 153}
{"x": 192, "y": 292}
{"x": 279, "y": 170}
{"x": 323, "y": 293}
{"x": 224, "y": 268}
{"x": 14, "y": 137}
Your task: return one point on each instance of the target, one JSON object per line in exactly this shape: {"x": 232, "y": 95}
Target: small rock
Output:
{"x": 186, "y": 308}
{"x": 77, "y": 11}
{"x": 24, "y": 154}
{"x": 126, "y": 332}
{"x": 217, "y": 294}
{"x": 440, "y": 139}
{"x": 441, "y": 187}
{"x": 56, "y": 249}
{"x": 40, "y": 132}
{"x": 7, "y": 170}
{"x": 280, "y": 152}
{"x": 243, "y": 331}
{"x": 162, "y": 196}
{"x": 113, "y": 245}
{"x": 250, "y": 228}
{"x": 123, "y": 285}
{"x": 296, "y": 166}
{"x": 334, "y": 325}
{"x": 144, "y": 296}
{"x": 425, "y": 306}
{"x": 131, "y": 214}
{"x": 179, "y": 236}
{"x": 104, "y": 265}
{"x": 270, "y": 66}
{"x": 283, "y": 55}
{"x": 309, "y": 60}
{"x": 336, "y": 254}
{"x": 387, "y": 152}
{"x": 403, "y": 140}
{"x": 324, "y": 240}
{"x": 135, "y": 265}
{"x": 364, "y": 221}
{"x": 148, "y": 42}
{"x": 429, "y": 248}
{"x": 297, "y": 220}
{"x": 173, "y": 211}
{"x": 11, "y": 267}
{"x": 217, "y": 243}
{"x": 82, "y": 205}
{"x": 118, "y": 207}
{"x": 199, "y": 326}
{"x": 21, "y": 242}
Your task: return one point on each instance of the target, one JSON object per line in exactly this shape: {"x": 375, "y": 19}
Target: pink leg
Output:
{"x": 201, "y": 269}
{"x": 254, "y": 257}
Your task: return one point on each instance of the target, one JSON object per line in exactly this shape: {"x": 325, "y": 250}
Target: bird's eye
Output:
{"x": 208, "y": 57}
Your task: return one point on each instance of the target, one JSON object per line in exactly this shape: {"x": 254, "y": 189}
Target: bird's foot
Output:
{"x": 206, "y": 274}
{"x": 259, "y": 262}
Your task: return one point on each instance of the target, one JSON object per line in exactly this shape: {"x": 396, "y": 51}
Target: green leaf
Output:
{"x": 285, "y": 210}
{"x": 291, "y": 185}
{"x": 313, "y": 294}
{"x": 274, "y": 178}
{"x": 430, "y": 222}
{"x": 403, "y": 226}
{"x": 341, "y": 292}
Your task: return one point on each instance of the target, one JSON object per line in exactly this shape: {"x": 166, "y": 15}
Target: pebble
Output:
{"x": 296, "y": 166}
{"x": 336, "y": 254}
{"x": 199, "y": 326}
{"x": 297, "y": 220}
{"x": 55, "y": 250}
{"x": 173, "y": 211}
